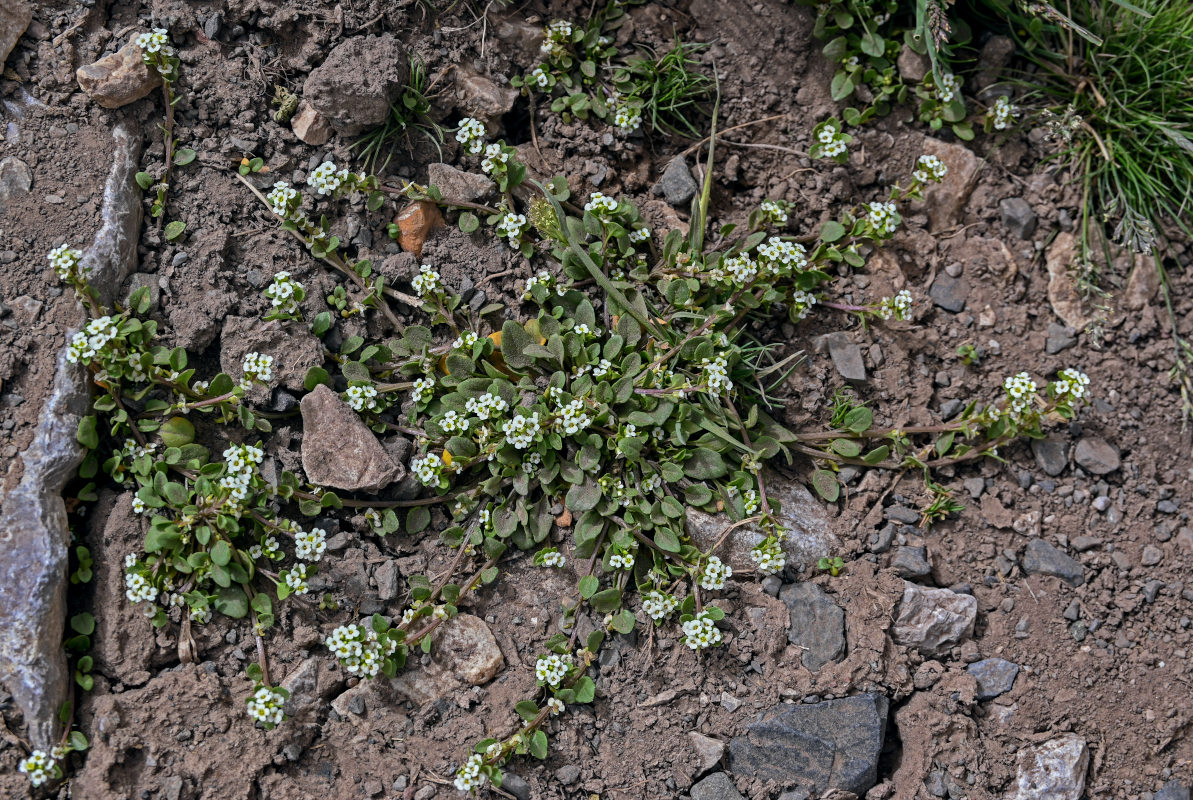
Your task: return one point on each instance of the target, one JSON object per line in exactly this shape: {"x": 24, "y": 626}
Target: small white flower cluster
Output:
{"x": 487, "y": 405}
{"x": 552, "y": 669}
{"x": 426, "y": 282}
{"x": 883, "y": 217}
{"x": 741, "y": 268}
{"x": 326, "y": 179}
{"x": 1021, "y": 392}
{"x": 270, "y": 548}
{"x": 930, "y": 168}
{"x": 281, "y": 198}
{"x": 621, "y": 561}
{"x": 156, "y": 42}
{"x": 802, "y": 302}
{"x": 773, "y": 212}
{"x": 454, "y": 422}
{"x": 521, "y": 431}
{"x": 832, "y": 142}
{"x": 511, "y": 227}
{"x": 543, "y": 278}
{"x": 553, "y": 558}
{"x": 659, "y": 605}
{"x": 769, "y": 556}
{"x": 652, "y": 483}
{"x": 256, "y": 367}
{"x": 1002, "y": 114}
{"x": 138, "y": 589}
{"x": 714, "y": 574}
{"x": 469, "y": 775}
{"x": 361, "y": 398}
{"x": 639, "y": 235}
{"x": 783, "y": 256}
{"x": 716, "y": 375}
{"x": 585, "y": 331}
{"x": 309, "y": 545}
{"x": 39, "y": 766}
{"x": 572, "y": 418}
{"x": 556, "y": 37}
{"x": 359, "y": 649}
{"x": 242, "y": 461}
{"x": 1071, "y": 386}
{"x": 266, "y": 706}
{"x": 471, "y": 135}
{"x": 898, "y": 306}
{"x": 627, "y": 119}
{"x": 201, "y": 615}
{"x": 555, "y": 705}
{"x": 495, "y": 160}
{"x": 282, "y": 293}
{"x": 701, "y": 632}
{"x": 296, "y": 579}
{"x": 540, "y": 77}
{"x": 599, "y": 204}
{"x": 65, "y": 261}
{"x": 427, "y": 468}
{"x": 948, "y": 87}
{"x": 423, "y": 390}
{"x": 87, "y": 343}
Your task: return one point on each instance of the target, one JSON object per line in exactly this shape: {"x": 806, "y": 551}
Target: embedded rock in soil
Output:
{"x": 709, "y": 751}
{"x": 1173, "y": 790}
{"x": 677, "y": 186}
{"x": 1096, "y": 455}
{"x": 995, "y": 676}
{"x": 415, "y": 223}
{"x": 33, "y": 525}
{"x": 949, "y": 293}
{"x": 911, "y": 562}
{"x": 479, "y": 97}
{"x": 1041, "y": 558}
{"x": 817, "y": 624}
{"x": 946, "y": 200}
{"x": 310, "y": 126}
{"x": 15, "y": 180}
{"x": 120, "y": 78}
{"x": 912, "y": 65}
{"x": 311, "y": 684}
{"x": 833, "y": 744}
{"x": 293, "y": 347}
{"x": 15, "y": 17}
{"x": 1018, "y": 216}
{"x": 464, "y": 652}
{"x": 933, "y": 620}
{"x": 1060, "y": 338}
{"x": 1062, "y": 292}
{"x": 715, "y": 787}
{"x": 358, "y": 82}
{"x": 1052, "y": 454}
{"x": 456, "y": 184}
{"x": 809, "y": 535}
{"x": 1054, "y": 769}
{"x": 846, "y": 356}
{"x": 339, "y": 450}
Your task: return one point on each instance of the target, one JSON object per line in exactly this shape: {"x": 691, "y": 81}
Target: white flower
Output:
{"x": 714, "y": 574}
{"x": 90, "y": 342}
{"x": 659, "y": 605}
{"x": 930, "y": 168}
{"x": 834, "y": 148}
{"x": 701, "y": 632}
{"x": 553, "y": 559}
{"x": 309, "y": 545}
{"x": 469, "y": 776}
{"x": 572, "y": 417}
{"x": 521, "y": 430}
{"x": 511, "y": 226}
{"x": 283, "y": 293}
{"x": 543, "y": 278}
{"x": 639, "y": 235}
{"x": 552, "y": 668}
{"x": 296, "y": 579}
{"x": 280, "y": 198}
{"x": 741, "y": 268}
{"x": 200, "y": 615}
{"x": 471, "y": 135}
{"x": 802, "y": 302}
{"x": 1002, "y": 114}
{"x": 1021, "y": 393}
{"x": 947, "y": 88}
{"x": 265, "y": 706}
{"x": 898, "y": 306}
{"x": 781, "y": 256}
{"x": 774, "y": 212}
{"x": 883, "y": 217}
{"x": 716, "y": 375}
{"x": 427, "y": 468}
{"x": 540, "y": 77}
{"x": 487, "y": 405}
{"x": 39, "y": 766}
{"x": 361, "y": 398}
{"x": 325, "y": 178}
{"x": 620, "y": 561}
{"x": 555, "y": 705}
{"x": 426, "y": 281}
{"x": 138, "y": 505}
{"x": 65, "y": 261}
{"x": 256, "y": 367}
{"x": 627, "y": 119}
{"x": 155, "y": 42}
{"x": 599, "y": 204}
{"x": 1071, "y": 386}
{"x": 423, "y": 390}
{"x": 453, "y": 422}
{"x": 138, "y": 589}
{"x": 769, "y": 556}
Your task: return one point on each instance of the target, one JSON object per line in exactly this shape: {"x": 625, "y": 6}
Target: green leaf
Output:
{"x": 826, "y": 485}
{"x": 469, "y": 222}
{"x": 184, "y": 156}
{"x": 606, "y": 601}
{"x": 262, "y": 603}
{"x": 176, "y": 432}
{"x": 832, "y": 231}
{"x": 514, "y": 341}
{"x": 877, "y": 455}
{"x": 174, "y": 230}
{"x": 314, "y": 377}
{"x": 666, "y": 539}
{"x": 322, "y": 323}
{"x": 417, "y": 519}
{"x": 585, "y": 690}
{"x": 231, "y": 601}
{"x": 623, "y": 622}
{"x": 859, "y": 420}
{"x": 86, "y": 433}
{"x": 846, "y": 447}
{"x": 78, "y": 741}
{"x": 588, "y": 586}
{"x": 583, "y": 497}
{"x": 538, "y": 745}
{"x": 83, "y": 623}
{"x": 705, "y": 465}
{"x": 144, "y": 180}
{"x": 527, "y": 709}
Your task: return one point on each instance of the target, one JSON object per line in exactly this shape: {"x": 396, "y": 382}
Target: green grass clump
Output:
{"x": 674, "y": 93}
{"x": 411, "y": 113}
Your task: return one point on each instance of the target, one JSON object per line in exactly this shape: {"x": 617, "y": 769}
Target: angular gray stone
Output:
{"x": 310, "y": 126}
{"x": 1060, "y": 338}
{"x": 15, "y": 180}
{"x": 1053, "y": 770}
{"x": 716, "y": 787}
{"x": 709, "y": 751}
{"x": 817, "y": 624}
{"x": 1094, "y": 454}
{"x": 483, "y": 98}
{"x": 829, "y": 745}
{"x": 515, "y": 785}
{"x": 995, "y": 676}
{"x": 386, "y": 576}
{"x": 456, "y": 184}
{"x": 1052, "y": 454}
{"x": 911, "y": 563}
{"x": 933, "y": 620}
{"x": 1018, "y": 216}
{"x": 120, "y": 78}
{"x": 339, "y": 450}
{"x": 945, "y": 201}
{"x": 677, "y": 186}
{"x": 1173, "y": 790}
{"x": 354, "y": 87}
{"x": 949, "y": 293}
{"x": 846, "y": 356}
{"x": 15, "y": 16}
{"x": 1041, "y": 558}
{"x": 33, "y": 526}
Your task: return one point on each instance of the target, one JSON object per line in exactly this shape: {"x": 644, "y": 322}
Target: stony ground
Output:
{"x": 1042, "y": 635}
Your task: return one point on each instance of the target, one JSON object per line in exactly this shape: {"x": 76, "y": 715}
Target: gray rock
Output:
{"x": 456, "y": 184}
{"x": 1167, "y": 507}
{"x": 15, "y": 177}
{"x": 118, "y": 79}
{"x": 677, "y": 186}
{"x": 1052, "y": 454}
{"x": 293, "y": 347}
{"x": 995, "y": 676}
{"x": 354, "y": 87}
{"x": 1151, "y": 556}
{"x": 310, "y": 126}
{"x": 846, "y": 356}
{"x": 1018, "y": 216}
{"x": 1094, "y": 454}
{"x": 716, "y": 787}
{"x": 386, "y": 576}
{"x": 945, "y": 201}
{"x": 1041, "y": 558}
{"x": 33, "y": 522}
{"x": 1053, "y": 770}
{"x": 709, "y": 751}
{"x": 15, "y": 17}
{"x": 339, "y": 450}
{"x": 974, "y": 486}
{"x": 908, "y": 516}
{"x": 1060, "y": 338}
{"x": 911, "y": 563}
{"x": 949, "y": 293}
{"x": 213, "y": 25}
{"x": 832, "y": 744}
{"x": 933, "y": 620}
{"x": 912, "y": 65}
{"x": 817, "y": 624}
{"x": 483, "y": 98}
{"x": 1173, "y": 790}
{"x": 567, "y": 775}
{"x": 515, "y": 785}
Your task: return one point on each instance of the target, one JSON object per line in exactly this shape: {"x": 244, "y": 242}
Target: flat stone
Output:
{"x": 1018, "y": 216}
{"x": 1062, "y": 291}
{"x": 1094, "y": 454}
{"x": 476, "y": 657}
{"x": 310, "y": 126}
{"x": 386, "y": 576}
{"x": 716, "y": 787}
{"x": 911, "y": 563}
{"x": 355, "y": 86}
{"x": 817, "y": 624}
{"x": 949, "y": 293}
{"x": 456, "y": 184}
{"x": 1173, "y": 790}
{"x": 515, "y": 785}
{"x": 15, "y": 16}
{"x": 995, "y": 676}
{"x": 294, "y": 348}
{"x": 1041, "y": 558}
{"x": 709, "y": 751}
{"x": 677, "y": 186}
{"x": 1151, "y": 556}
{"x": 933, "y": 620}
{"x": 1060, "y": 338}
{"x": 846, "y": 356}
{"x": 339, "y": 450}
{"x": 16, "y": 178}
{"x": 834, "y": 744}
{"x": 945, "y": 201}
{"x": 482, "y": 98}
{"x": 118, "y": 79}
{"x": 1052, "y": 454}
{"x": 1053, "y": 770}
{"x": 912, "y": 65}
{"x": 415, "y": 223}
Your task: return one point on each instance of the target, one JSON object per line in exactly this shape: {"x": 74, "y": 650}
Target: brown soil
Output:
{"x": 161, "y": 729}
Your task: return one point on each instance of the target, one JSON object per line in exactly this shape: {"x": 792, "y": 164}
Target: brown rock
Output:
{"x": 709, "y": 751}
{"x": 339, "y": 450}
{"x": 357, "y": 83}
{"x": 480, "y": 97}
{"x": 945, "y": 200}
{"x": 456, "y": 184}
{"x": 933, "y": 620}
{"x": 310, "y": 126}
{"x": 912, "y": 65}
{"x": 293, "y": 347}
{"x": 1142, "y": 285}
{"x": 1062, "y": 292}
{"x": 415, "y": 223}
{"x": 118, "y": 79}
{"x": 15, "y": 16}
{"x": 464, "y": 652}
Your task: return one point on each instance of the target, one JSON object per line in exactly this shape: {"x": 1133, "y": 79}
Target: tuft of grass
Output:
{"x": 409, "y": 115}
{"x": 674, "y": 93}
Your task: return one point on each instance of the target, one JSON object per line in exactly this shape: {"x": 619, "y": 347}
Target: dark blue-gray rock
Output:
{"x": 817, "y": 624}
{"x": 1054, "y": 770}
{"x": 1060, "y": 338}
{"x": 1096, "y": 455}
{"x": 834, "y": 744}
{"x": 911, "y": 563}
{"x": 949, "y": 293}
{"x": 846, "y": 356}
{"x": 515, "y": 785}
{"x": 1052, "y": 454}
{"x": 1018, "y": 216}
{"x": 933, "y": 620}
{"x": 1041, "y": 558}
{"x": 716, "y": 787}
{"x": 908, "y": 516}
{"x": 995, "y": 676}
{"x": 677, "y": 186}
{"x": 1173, "y": 790}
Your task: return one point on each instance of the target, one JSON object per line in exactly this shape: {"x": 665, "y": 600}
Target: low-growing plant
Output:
{"x": 411, "y": 114}
{"x": 159, "y": 55}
